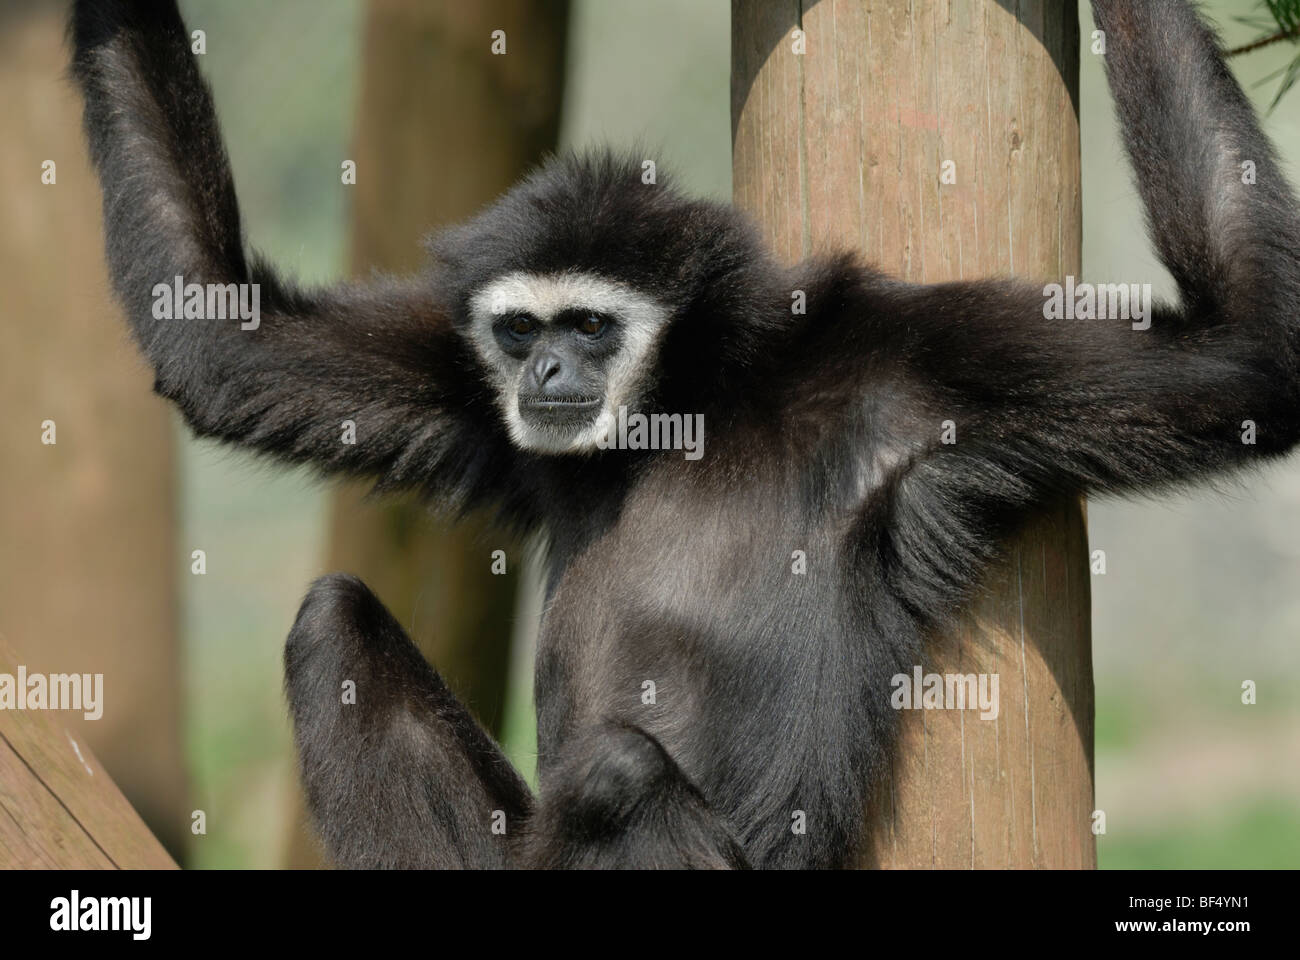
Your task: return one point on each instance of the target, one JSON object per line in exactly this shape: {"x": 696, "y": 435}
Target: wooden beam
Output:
{"x": 58, "y": 806}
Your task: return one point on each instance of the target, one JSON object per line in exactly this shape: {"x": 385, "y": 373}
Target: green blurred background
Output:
{"x": 1200, "y": 591}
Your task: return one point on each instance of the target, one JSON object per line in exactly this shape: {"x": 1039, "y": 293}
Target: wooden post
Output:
{"x": 90, "y": 565}
{"x": 847, "y": 143}
{"x": 58, "y": 807}
{"x": 444, "y": 126}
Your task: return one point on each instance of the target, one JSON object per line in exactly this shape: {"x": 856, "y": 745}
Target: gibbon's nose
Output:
{"x": 545, "y": 368}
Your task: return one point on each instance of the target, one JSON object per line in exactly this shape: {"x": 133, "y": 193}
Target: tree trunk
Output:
{"x": 847, "y": 144}
{"x": 444, "y": 126}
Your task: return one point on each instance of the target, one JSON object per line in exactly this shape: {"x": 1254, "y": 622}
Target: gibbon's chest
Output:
{"x": 709, "y": 581}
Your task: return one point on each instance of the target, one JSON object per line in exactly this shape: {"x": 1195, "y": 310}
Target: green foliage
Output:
{"x": 1282, "y": 24}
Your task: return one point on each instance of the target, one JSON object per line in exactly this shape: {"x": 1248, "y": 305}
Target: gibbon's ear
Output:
{"x": 360, "y": 378}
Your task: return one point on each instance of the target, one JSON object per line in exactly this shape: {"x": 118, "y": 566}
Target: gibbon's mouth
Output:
{"x": 572, "y": 404}
{"x": 565, "y": 413}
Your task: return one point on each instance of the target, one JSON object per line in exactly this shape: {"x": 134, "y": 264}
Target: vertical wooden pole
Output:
{"x": 444, "y": 125}
{"x": 90, "y": 559}
{"x": 847, "y": 143}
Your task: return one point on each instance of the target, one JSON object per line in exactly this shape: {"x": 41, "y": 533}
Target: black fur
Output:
{"x": 401, "y": 723}
{"x": 823, "y": 436}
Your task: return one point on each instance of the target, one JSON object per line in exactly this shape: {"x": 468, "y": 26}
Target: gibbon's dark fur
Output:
{"x": 823, "y": 436}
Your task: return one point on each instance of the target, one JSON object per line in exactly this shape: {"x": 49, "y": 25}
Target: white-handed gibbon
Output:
{"x": 585, "y": 295}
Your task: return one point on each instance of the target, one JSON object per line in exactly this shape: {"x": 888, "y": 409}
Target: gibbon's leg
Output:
{"x": 397, "y": 772}
{"x": 618, "y": 800}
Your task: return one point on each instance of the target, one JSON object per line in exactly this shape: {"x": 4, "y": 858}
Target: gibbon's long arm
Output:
{"x": 382, "y": 355}
{"x": 1048, "y": 407}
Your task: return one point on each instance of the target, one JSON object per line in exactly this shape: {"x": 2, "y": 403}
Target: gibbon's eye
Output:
{"x": 521, "y": 326}
{"x": 591, "y": 326}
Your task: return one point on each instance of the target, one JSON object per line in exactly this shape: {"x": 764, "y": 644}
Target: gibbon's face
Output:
{"x": 567, "y": 285}
{"x": 564, "y": 350}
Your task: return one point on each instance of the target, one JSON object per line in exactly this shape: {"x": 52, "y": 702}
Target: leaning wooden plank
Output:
{"x": 58, "y": 807}
{"x": 36, "y": 830}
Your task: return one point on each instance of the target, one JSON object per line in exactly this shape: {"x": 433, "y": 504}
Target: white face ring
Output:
{"x": 641, "y": 320}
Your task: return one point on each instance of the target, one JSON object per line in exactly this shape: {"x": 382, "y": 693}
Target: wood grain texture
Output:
{"x": 843, "y": 145}
{"x": 58, "y": 807}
